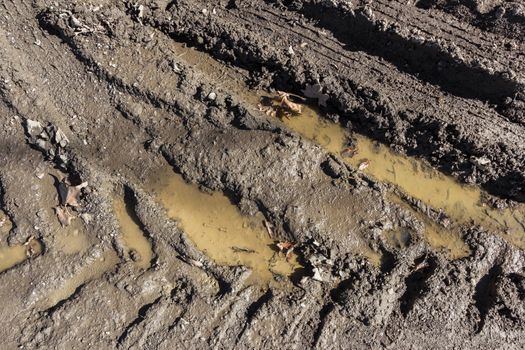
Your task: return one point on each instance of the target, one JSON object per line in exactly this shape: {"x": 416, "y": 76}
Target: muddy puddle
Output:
{"x": 463, "y": 204}
{"x": 138, "y": 247}
{"x": 18, "y": 253}
{"x": 11, "y": 256}
{"x": 219, "y": 230}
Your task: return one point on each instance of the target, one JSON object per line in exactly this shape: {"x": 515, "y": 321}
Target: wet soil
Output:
{"x": 146, "y": 200}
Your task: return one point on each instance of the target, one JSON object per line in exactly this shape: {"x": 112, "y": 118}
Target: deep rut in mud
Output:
{"x": 147, "y": 199}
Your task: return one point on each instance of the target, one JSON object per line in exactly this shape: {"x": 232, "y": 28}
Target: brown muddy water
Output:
{"x": 138, "y": 247}
{"x": 11, "y": 256}
{"x": 463, "y": 204}
{"x": 218, "y": 229}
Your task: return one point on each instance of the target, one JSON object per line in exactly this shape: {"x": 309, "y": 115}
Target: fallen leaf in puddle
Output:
{"x": 349, "y": 152}
{"x": 286, "y": 248}
{"x": 284, "y": 99}
{"x": 280, "y": 105}
{"x": 268, "y": 110}
{"x": 64, "y": 216}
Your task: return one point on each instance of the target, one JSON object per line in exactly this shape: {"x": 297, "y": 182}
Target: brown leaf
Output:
{"x": 285, "y": 246}
{"x": 292, "y": 107}
{"x": 69, "y": 194}
{"x": 64, "y": 216}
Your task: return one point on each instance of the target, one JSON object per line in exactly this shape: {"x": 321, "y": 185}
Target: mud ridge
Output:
{"x": 485, "y": 294}
{"x": 363, "y": 104}
{"x": 416, "y": 283}
{"x": 424, "y": 61}
{"x": 131, "y": 203}
{"x": 141, "y": 316}
{"x": 505, "y": 19}
{"x": 251, "y": 311}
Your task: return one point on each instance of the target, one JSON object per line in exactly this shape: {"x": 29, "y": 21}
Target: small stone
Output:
{"x": 74, "y": 22}
{"x": 33, "y": 127}
{"x": 291, "y": 51}
{"x": 86, "y": 217}
{"x": 140, "y": 11}
{"x": 317, "y": 275}
{"x": 42, "y": 145}
{"x": 61, "y": 138}
{"x": 212, "y": 96}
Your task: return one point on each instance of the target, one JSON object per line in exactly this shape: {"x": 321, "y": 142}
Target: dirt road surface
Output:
{"x": 148, "y": 200}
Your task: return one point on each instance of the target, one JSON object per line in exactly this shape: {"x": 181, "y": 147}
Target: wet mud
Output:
{"x": 149, "y": 196}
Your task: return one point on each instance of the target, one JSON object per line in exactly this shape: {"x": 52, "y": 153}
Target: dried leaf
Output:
{"x": 286, "y": 248}
{"x": 293, "y": 107}
{"x": 268, "y": 110}
{"x": 69, "y": 194}
{"x": 64, "y": 216}
{"x": 349, "y": 152}
{"x": 284, "y": 99}
{"x": 316, "y": 91}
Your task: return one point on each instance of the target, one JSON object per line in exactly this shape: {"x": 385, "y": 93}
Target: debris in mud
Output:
{"x": 281, "y": 105}
{"x": 64, "y": 216}
{"x": 269, "y": 228}
{"x": 349, "y": 152}
{"x": 74, "y": 23}
{"x": 33, "y": 247}
{"x": 364, "y": 164}
{"x": 68, "y": 196}
{"x": 243, "y": 250}
{"x": 50, "y": 140}
{"x": 315, "y": 91}
{"x": 286, "y": 248}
